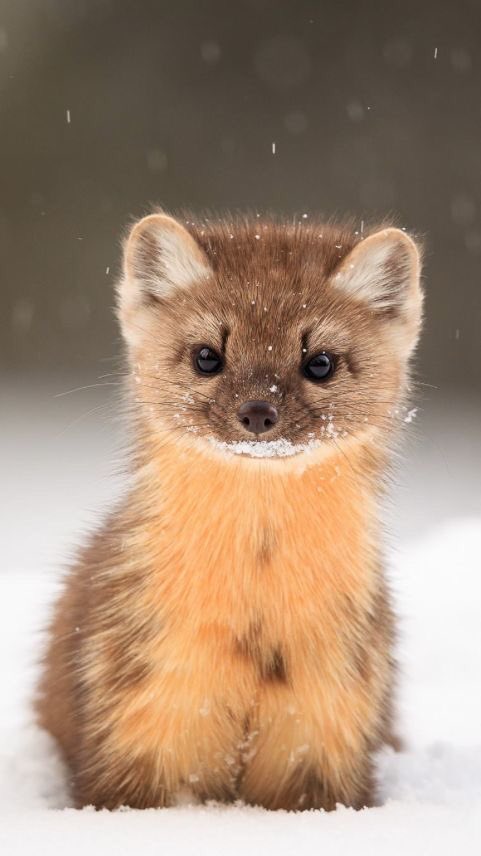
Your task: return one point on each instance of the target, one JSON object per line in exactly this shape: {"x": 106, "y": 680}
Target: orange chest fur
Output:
{"x": 235, "y": 548}
{"x": 258, "y": 582}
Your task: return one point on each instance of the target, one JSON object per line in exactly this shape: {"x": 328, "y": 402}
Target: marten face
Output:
{"x": 266, "y": 339}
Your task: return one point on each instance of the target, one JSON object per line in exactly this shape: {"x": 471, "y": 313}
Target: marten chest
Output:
{"x": 257, "y": 645}
{"x": 259, "y": 610}
{"x": 263, "y": 579}
{"x": 255, "y": 574}
{"x": 260, "y": 602}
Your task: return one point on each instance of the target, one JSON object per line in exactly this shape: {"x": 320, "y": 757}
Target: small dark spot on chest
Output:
{"x": 267, "y": 545}
{"x": 273, "y": 670}
{"x": 268, "y": 662}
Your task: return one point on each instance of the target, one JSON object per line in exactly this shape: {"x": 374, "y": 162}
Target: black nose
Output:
{"x": 257, "y": 416}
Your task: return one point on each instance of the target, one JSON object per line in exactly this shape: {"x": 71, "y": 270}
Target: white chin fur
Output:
{"x": 265, "y": 448}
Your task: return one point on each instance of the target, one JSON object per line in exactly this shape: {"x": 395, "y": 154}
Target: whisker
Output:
{"x": 87, "y": 386}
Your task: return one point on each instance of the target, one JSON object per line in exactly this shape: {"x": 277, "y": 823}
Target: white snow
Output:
{"x": 431, "y": 791}
{"x": 281, "y": 448}
{"x": 411, "y": 414}
{"x": 54, "y": 459}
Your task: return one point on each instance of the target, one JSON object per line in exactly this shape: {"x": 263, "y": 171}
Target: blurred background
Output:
{"x": 317, "y": 107}
{"x": 306, "y": 107}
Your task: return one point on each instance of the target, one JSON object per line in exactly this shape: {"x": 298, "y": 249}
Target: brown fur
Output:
{"x": 229, "y": 628}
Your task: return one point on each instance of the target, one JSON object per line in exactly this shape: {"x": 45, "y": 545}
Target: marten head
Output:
{"x": 268, "y": 339}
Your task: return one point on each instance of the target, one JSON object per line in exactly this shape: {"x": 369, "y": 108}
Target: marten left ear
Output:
{"x": 160, "y": 258}
{"x": 383, "y": 271}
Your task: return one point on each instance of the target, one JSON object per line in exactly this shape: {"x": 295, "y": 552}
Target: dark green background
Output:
{"x": 178, "y": 103}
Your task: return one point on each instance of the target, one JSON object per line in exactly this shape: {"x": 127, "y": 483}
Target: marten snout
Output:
{"x": 258, "y": 417}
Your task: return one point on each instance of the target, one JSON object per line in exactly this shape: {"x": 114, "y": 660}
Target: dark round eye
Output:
{"x": 207, "y": 361}
{"x": 320, "y": 367}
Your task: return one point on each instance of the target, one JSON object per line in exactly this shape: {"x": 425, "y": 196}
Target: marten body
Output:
{"x": 229, "y": 631}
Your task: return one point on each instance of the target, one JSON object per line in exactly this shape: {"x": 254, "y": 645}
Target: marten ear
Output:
{"x": 383, "y": 271}
{"x": 160, "y": 257}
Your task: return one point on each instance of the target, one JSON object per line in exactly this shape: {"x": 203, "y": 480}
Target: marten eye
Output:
{"x": 319, "y": 367}
{"x": 207, "y": 361}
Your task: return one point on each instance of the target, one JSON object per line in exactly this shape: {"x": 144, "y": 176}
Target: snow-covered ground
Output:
{"x": 56, "y": 464}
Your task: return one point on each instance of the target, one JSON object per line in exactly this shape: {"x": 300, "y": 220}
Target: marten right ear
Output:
{"x": 383, "y": 271}
{"x": 160, "y": 257}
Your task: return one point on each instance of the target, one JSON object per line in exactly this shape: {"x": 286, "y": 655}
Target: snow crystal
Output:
{"x": 330, "y": 429}
{"x": 265, "y": 448}
{"x": 205, "y": 709}
{"x": 411, "y": 414}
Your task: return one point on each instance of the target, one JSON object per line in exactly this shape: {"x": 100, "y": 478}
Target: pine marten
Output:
{"x": 228, "y": 630}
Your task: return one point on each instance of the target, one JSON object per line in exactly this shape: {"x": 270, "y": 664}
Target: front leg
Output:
{"x": 178, "y": 726}
{"x": 312, "y": 755}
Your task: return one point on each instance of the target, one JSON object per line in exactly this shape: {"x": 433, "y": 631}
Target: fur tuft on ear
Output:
{"x": 383, "y": 271}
